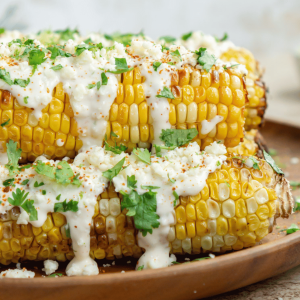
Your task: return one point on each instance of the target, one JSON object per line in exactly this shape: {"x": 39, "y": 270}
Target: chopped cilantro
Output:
{"x": 104, "y": 78}
{"x": 58, "y": 197}
{"x": 131, "y": 182}
{"x": 297, "y": 206}
{"x": 115, "y": 149}
{"x": 143, "y": 155}
{"x": 66, "y": 206}
{"x": 171, "y": 180}
{"x": 143, "y": 210}
{"x": 176, "y": 197}
{"x": 186, "y": 36}
{"x": 36, "y": 184}
{"x": 165, "y": 93}
{"x": 20, "y": 199}
{"x": 5, "y": 123}
{"x": 140, "y": 268}
{"x": 57, "y": 67}
{"x": 13, "y": 155}
{"x": 205, "y": 59}
{"x": 67, "y": 229}
{"x": 227, "y": 183}
{"x": 121, "y": 66}
{"x": 272, "y": 163}
{"x": 293, "y": 228}
{"x": 218, "y": 163}
{"x": 168, "y": 39}
{"x": 87, "y": 41}
{"x": 2, "y": 30}
{"x": 5, "y": 76}
{"x": 9, "y": 182}
{"x": 178, "y": 137}
{"x": 272, "y": 152}
{"x": 156, "y": 65}
{"x": 25, "y": 182}
{"x": 149, "y": 187}
{"x": 22, "y": 82}
{"x": 55, "y": 275}
{"x": 44, "y": 192}
{"x": 255, "y": 163}
{"x": 36, "y": 57}
{"x": 231, "y": 67}
{"x": 67, "y": 34}
{"x": 224, "y": 38}
{"x": 114, "y": 171}
{"x": 80, "y": 48}
{"x": 176, "y": 54}
{"x": 57, "y": 51}
{"x": 90, "y": 86}
{"x": 26, "y": 100}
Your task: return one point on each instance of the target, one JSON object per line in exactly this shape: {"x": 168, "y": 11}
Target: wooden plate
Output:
{"x": 276, "y": 254}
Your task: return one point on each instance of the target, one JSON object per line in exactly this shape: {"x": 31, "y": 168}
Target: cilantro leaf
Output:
{"x": 22, "y": 82}
{"x": 67, "y": 34}
{"x": 131, "y": 182}
{"x": 90, "y": 86}
{"x": 9, "y": 182}
{"x": 64, "y": 174}
{"x": 5, "y": 76}
{"x": 205, "y": 59}
{"x": 168, "y": 39}
{"x": 30, "y": 209}
{"x": 224, "y": 38}
{"x": 176, "y": 197}
{"x": 178, "y": 137}
{"x": 218, "y": 163}
{"x": 18, "y": 197}
{"x": 104, "y": 78}
{"x": 25, "y": 182}
{"x": 80, "y": 48}
{"x": 121, "y": 66}
{"x": 2, "y": 30}
{"x": 88, "y": 40}
{"x": 13, "y": 155}
{"x": 166, "y": 93}
{"x": 149, "y": 187}
{"x": 186, "y": 36}
{"x": 56, "y": 51}
{"x": 115, "y": 149}
{"x": 5, "y": 123}
{"x": 293, "y": 228}
{"x": 272, "y": 163}
{"x": 67, "y": 229}
{"x": 57, "y": 67}
{"x": 297, "y": 206}
{"x": 143, "y": 209}
{"x": 44, "y": 169}
{"x": 55, "y": 274}
{"x": 156, "y": 65}
{"x": 114, "y": 171}
{"x": 66, "y": 206}
{"x": 140, "y": 268}
{"x": 143, "y": 155}
{"x": 36, "y": 57}
{"x": 36, "y": 184}
{"x": 255, "y": 163}
{"x": 58, "y": 197}
{"x": 26, "y": 100}
{"x": 176, "y": 53}
{"x": 171, "y": 179}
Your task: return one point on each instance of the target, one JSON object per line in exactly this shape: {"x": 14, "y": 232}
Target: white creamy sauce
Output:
{"x": 50, "y": 266}
{"x": 208, "y": 125}
{"x": 91, "y": 109}
{"x": 17, "y": 273}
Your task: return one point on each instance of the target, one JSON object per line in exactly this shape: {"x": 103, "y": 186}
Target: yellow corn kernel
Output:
{"x": 232, "y": 130}
{"x": 225, "y": 95}
{"x": 187, "y": 94}
{"x": 54, "y": 122}
{"x": 212, "y": 95}
{"x": 200, "y": 94}
{"x": 240, "y": 208}
{"x": 59, "y": 92}
{"x": 253, "y": 222}
{"x": 128, "y": 78}
{"x": 195, "y": 78}
{"x": 180, "y": 231}
{"x": 20, "y": 117}
{"x": 222, "y": 226}
{"x": 58, "y": 219}
{"x": 56, "y": 106}
{"x": 241, "y": 226}
{"x": 68, "y": 110}
{"x": 54, "y": 236}
{"x": 191, "y": 229}
{"x": 38, "y": 148}
{"x": 192, "y": 113}
{"x": 263, "y": 212}
{"x": 123, "y": 114}
{"x": 201, "y": 227}
{"x": 194, "y": 199}
{"x": 190, "y": 212}
{"x": 49, "y": 150}
{"x": 120, "y": 94}
{"x": 201, "y": 210}
{"x": 184, "y": 76}
{"x": 214, "y": 190}
{"x": 143, "y": 113}
{"x": 250, "y": 237}
{"x": 7, "y": 116}
{"x": 205, "y": 80}
{"x": 65, "y": 123}
{"x": 125, "y": 136}
{"x": 235, "y": 190}
{"x": 44, "y": 121}
{"x": 238, "y": 98}
{"x": 139, "y": 95}
{"x": 144, "y": 133}
{"x": 232, "y": 226}
{"x": 129, "y": 94}
{"x": 70, "y": 142}
{"x": 172, "y": 114}
{"x": 38, "y": 134}
{"x": 233, "y": 113}
{"x": 272, "y": 208}
{"x": 13, "y": 132}
{"x": 48, "y": 225}
{"x": 180, "y": 214}
{"x": 49, "y": 137}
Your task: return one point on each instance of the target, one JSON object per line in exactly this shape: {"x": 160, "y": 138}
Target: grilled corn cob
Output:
{"x": 198, "y": 96}
{"x": 256, "y": 89}
{"x": 236, "y": 209}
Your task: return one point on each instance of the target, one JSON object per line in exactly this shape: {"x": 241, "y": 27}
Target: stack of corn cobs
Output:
{"x": 236, "y": 208}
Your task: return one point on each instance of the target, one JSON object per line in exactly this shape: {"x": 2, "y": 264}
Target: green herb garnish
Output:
{"x": 178, "y": 137}
{"x": 143, "y": 155}
{"x": 205, "y": 59}
{"x": 165, "y": 93}
{"x": 272, "y": 163}
{"x": 66, "y": 206}
{"x": 114, "y": 171}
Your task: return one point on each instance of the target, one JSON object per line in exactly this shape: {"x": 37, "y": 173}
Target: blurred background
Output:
{"x": 268, "y": 28}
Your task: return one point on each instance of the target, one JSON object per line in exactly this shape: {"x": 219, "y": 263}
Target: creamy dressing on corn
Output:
{"x": 208, "y": 125}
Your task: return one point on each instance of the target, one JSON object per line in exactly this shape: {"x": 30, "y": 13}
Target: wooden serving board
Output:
{"x": 276, "y": 254}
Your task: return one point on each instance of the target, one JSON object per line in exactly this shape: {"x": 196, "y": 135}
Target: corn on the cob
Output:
{"x": 235, "y": 210}
{"x": 198, "y": 96}
{"x": 256, "y": 89}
